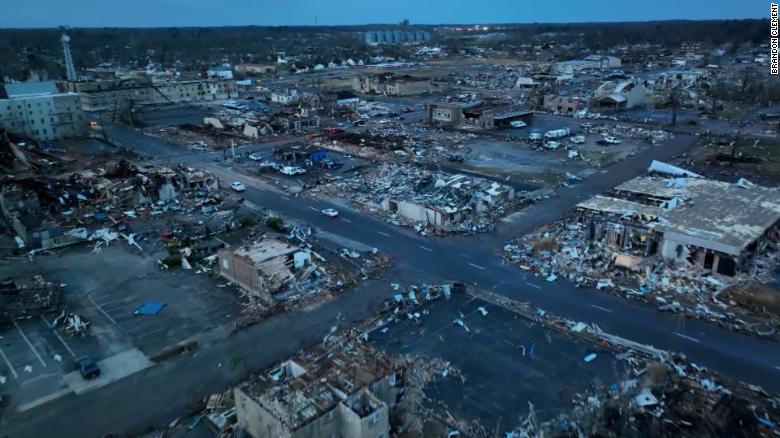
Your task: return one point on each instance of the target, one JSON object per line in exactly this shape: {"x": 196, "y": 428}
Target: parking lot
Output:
{"x": 37, "y": 362}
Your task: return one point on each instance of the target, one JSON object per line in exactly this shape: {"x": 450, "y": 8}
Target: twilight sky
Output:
{"x": 153, "y": 13}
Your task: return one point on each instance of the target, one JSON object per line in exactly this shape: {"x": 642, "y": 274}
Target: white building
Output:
{"x": 286, "y": 97}
{"x": 224, "y": 72}
{"x": 40, "y": 111}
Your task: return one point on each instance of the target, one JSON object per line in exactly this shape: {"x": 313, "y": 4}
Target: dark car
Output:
{"x": 88, "y": 368}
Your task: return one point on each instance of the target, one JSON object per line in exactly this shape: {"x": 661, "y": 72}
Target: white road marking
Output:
{"x": 601, "y": 308}
{"x": 465, "y": 255}
{"x": 425, "y": 248}
{"x": 312, "y": 208}
{"x": 777, "y": 368}
{"x": 102, "y": 311}
{"x": 29, "y": 344}
{"x": 686, "y": 337}
{"x": 16, "y": 376}
{"x": 64, "y": 344}
{"x": 285, "y": 198}
{"x": 346, "y": 220}
{"x": 476, "y": 266}
{"x": 384, "y": 234}
{"x": 533, "y": 285}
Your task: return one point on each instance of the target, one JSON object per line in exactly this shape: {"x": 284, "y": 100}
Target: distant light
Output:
{"x": 485, "y": 28}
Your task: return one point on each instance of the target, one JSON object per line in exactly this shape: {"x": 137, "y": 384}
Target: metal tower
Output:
{"x": 70, "y": 69}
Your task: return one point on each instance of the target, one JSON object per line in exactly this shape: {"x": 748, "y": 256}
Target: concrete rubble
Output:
{"x": 22, "y": 298}
{"x": 622, "y": 246}
{"x": 430, "y": 201}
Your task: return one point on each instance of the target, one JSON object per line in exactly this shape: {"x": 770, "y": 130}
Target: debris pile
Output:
{"x": 564, "y": 250}
{"x": 670, "y": 399}
{"x": 652, "y": 136}
{"x": 25, "y": 298}
{"x": 274, "y": 273}
{"x": 430, "y": 201}
{"x": 49, "y": 212}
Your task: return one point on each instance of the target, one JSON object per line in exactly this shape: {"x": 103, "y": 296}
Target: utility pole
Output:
{"x": 233, "y": 148}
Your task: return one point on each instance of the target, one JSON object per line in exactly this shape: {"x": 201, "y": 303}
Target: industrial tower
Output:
{"x": 70, "y": 69}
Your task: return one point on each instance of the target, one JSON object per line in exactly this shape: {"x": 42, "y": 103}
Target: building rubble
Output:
{"x": 664, "y": 400}
{"x": 22, "y": 298}
{"x": 312, "y": 393}
{"x": 49, "y": 211}
{"x": 430, "y": 201}
{"x": 667, "y": 240}
{"x": 280, "y": 273}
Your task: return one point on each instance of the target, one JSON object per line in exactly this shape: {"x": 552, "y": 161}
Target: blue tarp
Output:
{"x": 150, "y": 308}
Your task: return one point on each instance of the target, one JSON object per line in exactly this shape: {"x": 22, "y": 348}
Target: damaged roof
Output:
{"x": 707, "y": 213}
{"x": 264, "y": 250}
{"x": 313, "y": 382}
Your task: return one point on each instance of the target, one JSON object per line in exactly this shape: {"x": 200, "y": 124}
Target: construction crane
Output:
{"x": 70, "y": 69}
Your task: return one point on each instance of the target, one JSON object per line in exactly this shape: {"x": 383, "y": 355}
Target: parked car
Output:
{"x": 578, "y": 139}
{"x": 608, "y": 141}
{"x": 292, "y": 170}
{"x": 268, "y": 165}
{"x": 237, "y": 186}
{"x": 329, "y": 212}
{"x": 87, "y": 367}
{"x": 557, "y": 133}
{"x": 457, "y": 158}
{"x": 534, "y": 136}
{"x": 255, "y": 156}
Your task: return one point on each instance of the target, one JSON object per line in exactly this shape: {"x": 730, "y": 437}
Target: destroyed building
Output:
{"x": 22, "y": 211}
{"x": 142, "y": 90}
{"x": 25, "y": 298}
{"x": 474, "y": 113}
{"x": 715, "y": 225}
{"x": 271, "y": 266}
{"x": 436, "y": 200}
{"x": 390, "y": 84}
{"x": 58, "y": 210}
{"x": 347, "y": 391}
{"x": 619, "y": 95}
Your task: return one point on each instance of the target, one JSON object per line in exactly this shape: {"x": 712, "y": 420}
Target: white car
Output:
{"x": 237, "y": 186}
{"x": 255, "y": 156}
{"x": 292, "y": 170}
{"x": 611, "y": 140}
{"x": 329, "y": 212}
{"x": 535, "y": 136}
{"x": 578, "y": 139}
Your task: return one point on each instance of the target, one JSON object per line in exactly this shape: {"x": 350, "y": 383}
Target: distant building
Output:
{"x": 565, "y": 104}
{"x": 619, "y": 95}
{"x": 223, "y": 72}
{"x": 286, "y": 97}
{"x": 111, "y": 94}
{"x": 691, "y": 46}
{"x": 40, "y": 111}
{"x": 474, "y": 113}
{"x": 390, "y": 84}
{"x": 396, "y": 36}
{"x": 592, "y": 62}
{"x": 255, "y": 69}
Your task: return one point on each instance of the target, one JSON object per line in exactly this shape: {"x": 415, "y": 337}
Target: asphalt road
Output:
{"x": 158, "y": 394}
{"x": 475, "y": 260}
